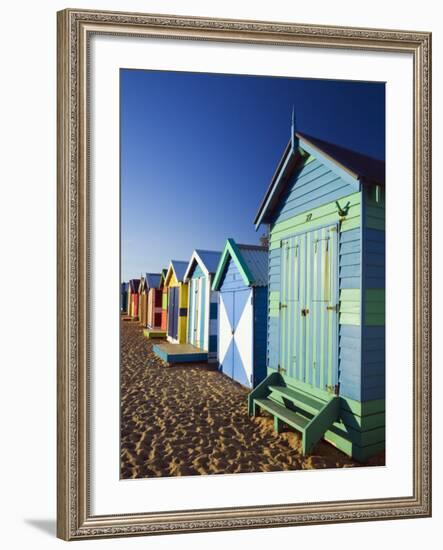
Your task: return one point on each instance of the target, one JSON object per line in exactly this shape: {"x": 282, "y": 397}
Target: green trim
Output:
{"x": 375, "y": 295}
{"x": 363, "y": 423}
{"x": 362, "y": 409}
{"x": 319, "y": 424}
{"x": 375, "y": 320}
{"x": 357, "y": 437}
{"x": 262, "y": 390}
{"x": 375, "y": 223}
{"x": 307, "y": 388}
{"x": 360, "y": 453}
{"x": 231, "y": 250}
{"x": 375, "y": 307}
{"x": 163, "y": 276}
{"x": 322, "y": 215}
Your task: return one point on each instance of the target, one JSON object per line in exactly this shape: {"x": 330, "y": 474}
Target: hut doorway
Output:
{"x": 309, "y": 308}
{"x": 236, "y": 335}
{"x": 173, "y": 308}
{"x": 198, "y": 312}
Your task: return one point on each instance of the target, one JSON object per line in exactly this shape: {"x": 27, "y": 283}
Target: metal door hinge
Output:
{"x": 333, "y": 389}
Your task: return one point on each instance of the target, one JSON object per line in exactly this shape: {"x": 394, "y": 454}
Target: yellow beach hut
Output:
{"x": 177, "y": 302}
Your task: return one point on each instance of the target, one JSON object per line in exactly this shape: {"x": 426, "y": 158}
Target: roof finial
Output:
{"x": 293, "y": 128}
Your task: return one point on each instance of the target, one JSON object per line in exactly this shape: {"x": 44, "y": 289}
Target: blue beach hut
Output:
{"x": 202, "y": 302}
{"x": 124, "y": 297}
{"x": 325, "y": 209}
{"x": 242, "y": 281}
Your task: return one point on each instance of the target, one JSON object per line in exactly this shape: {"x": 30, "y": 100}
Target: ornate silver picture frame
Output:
{"x": 75, "y": 30}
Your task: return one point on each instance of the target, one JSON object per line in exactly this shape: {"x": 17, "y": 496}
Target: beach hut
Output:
{"x": 124, "y": 297}
{"x": 177, "y": 302}
{"x": 242, "y": 281}
{"x": 325, "y": 209}
{"x": 154, "y": 315}
{"x": 142, "y": 301}
{"x": 147, "y": 281}
{"x": 164, "y": 313}
{"x": 203, "y": 301}
{"x": 150, "y": 281}
{"x": 202, "y": 307}
{"x": 133, "y": 298}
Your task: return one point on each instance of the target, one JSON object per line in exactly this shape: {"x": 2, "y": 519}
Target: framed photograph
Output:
{"x": 244, "y": 293}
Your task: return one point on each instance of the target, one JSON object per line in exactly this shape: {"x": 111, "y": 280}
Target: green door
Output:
{"x": 309, "y": 308}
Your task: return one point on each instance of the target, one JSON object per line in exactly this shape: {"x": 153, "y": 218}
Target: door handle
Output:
{"x": 304, "y": 312}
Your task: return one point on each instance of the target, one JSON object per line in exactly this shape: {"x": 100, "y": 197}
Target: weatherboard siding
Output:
{"x": 326, "y": 214}
{"x": 260, "y": 298}
{"x": 313, "y": 185}
{"x": 307, "y": 204}
{"x": 374, "y": 296}
{"x": 183, "y": 314}
{"x": 358, "y": 433}
{"x": 207, "y": 329}
{"x": 212, "y": 312}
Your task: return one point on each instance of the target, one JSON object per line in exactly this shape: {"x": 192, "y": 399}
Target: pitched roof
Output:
{"x": 358, "y": 167}
{"x": 134, "y": 284}
{"x": 362, "y": 166}
{"x": 251, "y": 261}
{"x": 207, "y": 259}
{"x": 152, "y": 280}
{"x": 256, "y": 258}
{"x": 179, "y": 268}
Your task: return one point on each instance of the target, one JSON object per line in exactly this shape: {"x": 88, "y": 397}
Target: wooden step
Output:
{"x": 292, "y": 418}
{"x": 301, "y": 400}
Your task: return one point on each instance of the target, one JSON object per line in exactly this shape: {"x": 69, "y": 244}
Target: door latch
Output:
{"x": 332, "y": 308}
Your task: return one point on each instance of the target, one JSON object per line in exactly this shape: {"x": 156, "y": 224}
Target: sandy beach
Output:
{"x": 193, "y": 420}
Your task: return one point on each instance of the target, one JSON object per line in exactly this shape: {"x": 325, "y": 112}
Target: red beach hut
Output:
{"x": 133, "y": 298}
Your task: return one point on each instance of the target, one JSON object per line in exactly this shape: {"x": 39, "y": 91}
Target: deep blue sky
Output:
{"x": 198, "y": 152}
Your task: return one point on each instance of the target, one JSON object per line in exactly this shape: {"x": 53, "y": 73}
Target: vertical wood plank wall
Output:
{"x": 182, "y": 330}
{"x": 206, "y": 334}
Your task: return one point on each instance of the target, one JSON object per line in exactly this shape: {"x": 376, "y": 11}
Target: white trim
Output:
{"x": 195, "y": 257}
{"x": 207, "y": 311}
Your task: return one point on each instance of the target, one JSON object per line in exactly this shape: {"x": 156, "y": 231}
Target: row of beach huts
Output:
{"x": 301, "y": 320}
{"x": 211, "y": 308}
